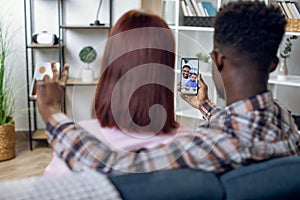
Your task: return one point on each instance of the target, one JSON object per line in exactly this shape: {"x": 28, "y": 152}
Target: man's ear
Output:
{"x": 219, "y": 61}
{"x": 274, "y": 64}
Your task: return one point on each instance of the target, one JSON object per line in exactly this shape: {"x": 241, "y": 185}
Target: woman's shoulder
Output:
{"x": 123, "y": 140}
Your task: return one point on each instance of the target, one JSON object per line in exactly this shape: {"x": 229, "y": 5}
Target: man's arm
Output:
{"x": 81, "y": 151}
{"x": 201, "y": 101}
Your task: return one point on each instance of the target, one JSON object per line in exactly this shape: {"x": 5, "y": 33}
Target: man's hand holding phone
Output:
{"x": 189, "y": 74}
{"x": 202, "y": 96}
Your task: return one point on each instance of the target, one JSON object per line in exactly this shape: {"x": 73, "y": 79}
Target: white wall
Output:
{"x": 13, "y": 12}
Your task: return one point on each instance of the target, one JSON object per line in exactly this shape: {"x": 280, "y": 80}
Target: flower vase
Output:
{"x": 87, "y": 75}
{"x": 282, "y": 71}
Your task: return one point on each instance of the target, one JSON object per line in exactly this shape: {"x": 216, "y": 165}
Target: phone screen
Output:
{"x": 189, "y": 76}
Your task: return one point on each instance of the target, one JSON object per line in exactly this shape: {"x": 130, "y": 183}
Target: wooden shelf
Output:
{"x": 32, "y": 98}
{"x": 106, "y": 26}
{"x": 39, "y": 135}
{"x": 78, "y": 82}
{"x": 34, "y": 45}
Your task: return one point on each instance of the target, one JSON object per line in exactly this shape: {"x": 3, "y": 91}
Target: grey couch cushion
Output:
{"x": 173, "y": 184}
{"x": 274, "y": 179}
{"x": 86, "y": 185}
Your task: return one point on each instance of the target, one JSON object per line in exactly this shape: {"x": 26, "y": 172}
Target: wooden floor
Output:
{"x": 26, "y": 163}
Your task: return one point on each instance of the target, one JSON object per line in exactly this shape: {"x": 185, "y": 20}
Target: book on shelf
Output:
{"x": 209, "y": 8}
{"x": 206, "y": 12}
{"x": 201, "y": 9}
{"x": 281, "y": 8}
{"x": 196, "y": 8}
{"x": 184, "y": 8}
{"x": 190, "y": 8}
{"x": 287, "y": 10}
{"x": 295, "y": 10}
{"x": 291, "y": 9}
{"x": 297, "y": 6}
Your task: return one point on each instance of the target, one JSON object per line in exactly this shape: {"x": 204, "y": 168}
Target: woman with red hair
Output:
{"x": 134, "y": 100}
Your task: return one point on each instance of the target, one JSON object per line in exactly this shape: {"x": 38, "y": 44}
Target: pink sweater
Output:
{"x": 116, "y": 140}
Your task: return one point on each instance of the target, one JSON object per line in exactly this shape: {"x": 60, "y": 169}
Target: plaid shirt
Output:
{"x": 245, "y": 132}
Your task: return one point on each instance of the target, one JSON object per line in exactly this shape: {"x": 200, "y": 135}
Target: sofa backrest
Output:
{"x": 274, "y": 179}
{"x": 172, "y": 184}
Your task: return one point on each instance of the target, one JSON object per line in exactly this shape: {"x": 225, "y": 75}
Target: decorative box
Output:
{"x": 293, "y": 25}
{"x": 198, "y": 21}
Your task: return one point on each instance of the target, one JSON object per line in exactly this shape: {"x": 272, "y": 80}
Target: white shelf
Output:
{"x": 206, "y": 74}
{"x": 292, "y": 33}
{"x": 202, "y": 73}
{"x": 194, "y": 28}
{"x": 190, "y": 112}
{"x": 290, "y": 81}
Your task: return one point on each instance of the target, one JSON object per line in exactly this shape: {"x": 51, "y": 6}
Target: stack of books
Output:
{"x": 290, "y": 9}
{"x": 198, "y": 8}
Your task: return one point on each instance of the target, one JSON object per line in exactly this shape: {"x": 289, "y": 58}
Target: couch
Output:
{"x": 274, "y": 179}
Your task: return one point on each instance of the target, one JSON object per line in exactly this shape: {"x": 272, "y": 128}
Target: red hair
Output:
{"x": 138, "y": 74}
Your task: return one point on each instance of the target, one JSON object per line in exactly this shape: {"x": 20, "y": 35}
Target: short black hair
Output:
{"x": 184, "y": 66}
{"x": 252, "y": 28}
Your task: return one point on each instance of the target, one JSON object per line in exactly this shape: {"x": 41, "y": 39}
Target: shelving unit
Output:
{"x": 31, "y": 55}
{"x": 192, "y": 39}
{"x": 293, "y": 81}
{"x": 37, "y": 52}
{"x": 78, "y": 82}
{"x": 189, "y": 41}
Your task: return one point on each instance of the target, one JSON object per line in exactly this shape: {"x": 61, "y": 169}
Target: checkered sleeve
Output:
{"x": 207, "y": 109}
{"x": 82, "y": 151}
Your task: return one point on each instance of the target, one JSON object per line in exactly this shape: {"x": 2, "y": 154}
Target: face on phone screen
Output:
{"x": 189, "y": 76}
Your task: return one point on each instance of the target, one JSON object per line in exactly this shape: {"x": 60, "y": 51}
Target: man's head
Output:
{"x": 251, "y": 28}
{"x": 186, "y": 71}
{"x": 247, "y": 35}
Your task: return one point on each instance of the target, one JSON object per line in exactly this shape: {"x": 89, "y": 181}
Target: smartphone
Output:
{"x": 189, "y": 76}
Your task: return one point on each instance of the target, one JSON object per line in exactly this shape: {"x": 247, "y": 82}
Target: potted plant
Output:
{"x": 7, "y": 129}
{"x": 87, "y": 55}
{"x": 283, "y": 70}
{"x": 205, "y": 59}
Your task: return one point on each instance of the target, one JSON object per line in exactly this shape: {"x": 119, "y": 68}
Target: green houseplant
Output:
{"x": 287, "y": 50}
{"x": 87, "y": 55}
{"x": 288, "y": 46}
{"x": 205, "y": 59}
{"x": 7, "y": 129}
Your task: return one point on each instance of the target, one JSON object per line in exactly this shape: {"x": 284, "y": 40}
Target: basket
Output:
{"x": 293, "y": 25}
{"x": 198, "y": 21}
{"x": 7, "y": 141}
